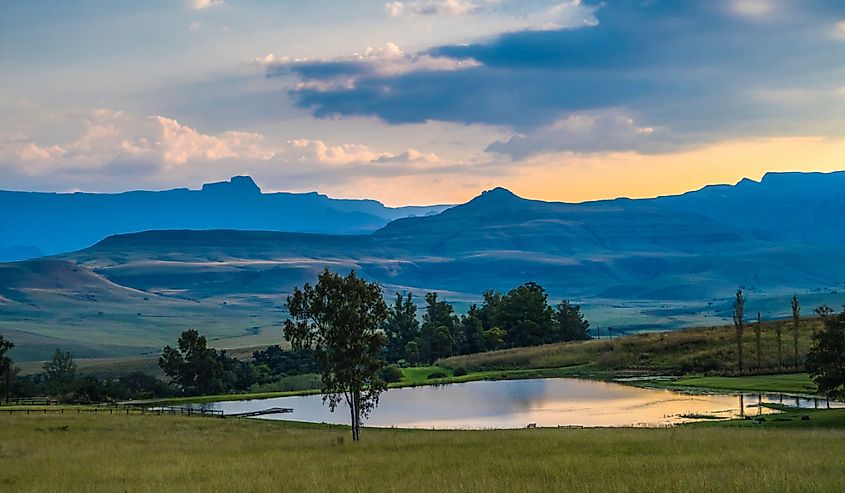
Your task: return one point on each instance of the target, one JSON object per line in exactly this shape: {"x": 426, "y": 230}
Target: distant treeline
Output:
{"x": 521, "y": 317}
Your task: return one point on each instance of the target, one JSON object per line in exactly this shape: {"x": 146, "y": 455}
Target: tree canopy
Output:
{"x": 339, "y": 320}
{"x": 826, "y": 359}
{"x": 193, "y": 366}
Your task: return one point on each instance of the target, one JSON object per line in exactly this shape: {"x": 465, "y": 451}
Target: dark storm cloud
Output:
{"x": 694, "y": 67}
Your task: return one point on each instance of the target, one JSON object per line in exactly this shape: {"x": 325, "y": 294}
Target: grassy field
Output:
{"x": 165, "y": 453}
{"x": 794, "y": 383}
{"x": 711, "y": 350}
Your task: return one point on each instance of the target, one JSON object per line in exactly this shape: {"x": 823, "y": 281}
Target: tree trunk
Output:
{"x": 8, "y": 381}
{"x": 352, "y": 417}
{"x": 356, "y": 429}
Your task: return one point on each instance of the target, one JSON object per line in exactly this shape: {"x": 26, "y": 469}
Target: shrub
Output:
{"x": 436, "y": 374}
{"x": 391, "y": 374}
{"x": 460, "y": 371}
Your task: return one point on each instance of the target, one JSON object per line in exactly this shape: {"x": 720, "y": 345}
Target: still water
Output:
{"x": 516, "y": 403}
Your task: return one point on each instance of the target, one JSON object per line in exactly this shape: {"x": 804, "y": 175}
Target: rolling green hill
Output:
{"x": 636, "y": 265}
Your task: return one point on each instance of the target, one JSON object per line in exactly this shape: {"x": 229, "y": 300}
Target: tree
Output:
{"x": 571, "y": 323}
{"x": 339, "y": 320}
{"x": 796, "y": 318}
{"x": 412, "y": 352}
{"x": 739, "y": 324}
{"x": 779, "y": 333}
{"x": 401, "y": 327}
{"x": 194, "y": 366}
{"x": 433, "y": 342}
{"x": 472, "y": 332}
{"x": 526, "y": 316}
{"x": 494, "y": 338}
{"x": 758, "y": 333}
{"x": 824, "y": 311}
{"x": 6, "y": 366}
{"x": 490, "y": 309}
{"x": 60, "y": 370}
{"x": 826, "y": 359}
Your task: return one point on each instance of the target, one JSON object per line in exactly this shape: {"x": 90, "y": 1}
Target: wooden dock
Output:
{"x": 192, "y": 411}
{"x": 263, "y": 412}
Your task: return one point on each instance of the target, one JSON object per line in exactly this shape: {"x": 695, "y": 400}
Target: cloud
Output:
{"x": 410, "y": 156}
{"x": 686, "y": 67}
{"x": 317, "y": 151}
{"x": 113, "y": 142}
{"x": 584, "y": 132}
{"x": 203, "y": 4}
{"x": 430, "y": 7}
{"x": 388, "y": 60}
{"x": 839, "y": 30}
{"x": 751, "y": 8}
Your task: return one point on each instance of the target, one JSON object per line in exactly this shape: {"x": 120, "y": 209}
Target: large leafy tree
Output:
{"x": 526, "y": 316}
{"x": 826, "y": 359}
{"x": 194, "y": 366}
{"x": 572, "y": 326}
{"x": 339, "y": 320}
{"x": 401, "y": 326}
{"x": 6, "y": 365}
{"x": 440, "y": 330}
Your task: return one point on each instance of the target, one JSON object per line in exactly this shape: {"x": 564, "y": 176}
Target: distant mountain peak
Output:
{"x": 240, "y": 185}
{"x": 498, "y": 194}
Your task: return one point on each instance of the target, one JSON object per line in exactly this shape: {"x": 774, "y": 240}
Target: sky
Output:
{"x": 420, "y": 101}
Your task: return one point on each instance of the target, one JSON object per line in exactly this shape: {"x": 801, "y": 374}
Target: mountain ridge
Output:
{"x": 62, "y": 222}
{"x": 645, "y": 264}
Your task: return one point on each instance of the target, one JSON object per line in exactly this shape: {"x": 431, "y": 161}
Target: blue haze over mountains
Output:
{"x": 640, "y": 264}
{"x": 38, "y": 224}
{"x": 777, "y": 235}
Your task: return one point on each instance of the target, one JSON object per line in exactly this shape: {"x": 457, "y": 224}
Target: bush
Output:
{"x": 460, "y": 371}
{"x": 436, "y": 374}
{"x": 391, "y": 374}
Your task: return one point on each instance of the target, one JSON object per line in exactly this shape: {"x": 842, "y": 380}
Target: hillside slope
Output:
{"x": 633, "y": 264}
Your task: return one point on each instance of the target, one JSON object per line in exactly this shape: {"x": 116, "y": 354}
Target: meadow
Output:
{"x": 168, "y": 453}
{"x": 697, "y": 350}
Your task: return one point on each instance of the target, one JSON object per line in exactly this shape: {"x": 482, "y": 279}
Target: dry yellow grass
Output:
{"x": 682, "y": 351}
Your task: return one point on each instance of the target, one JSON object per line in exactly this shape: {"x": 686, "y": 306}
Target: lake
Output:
{"x": 516, "y": 403}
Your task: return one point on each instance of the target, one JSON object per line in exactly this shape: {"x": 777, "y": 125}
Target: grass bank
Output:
{"x": 792, "y": 383}
{"x": 698, "y": 350}
{"x": 166, "y": 453}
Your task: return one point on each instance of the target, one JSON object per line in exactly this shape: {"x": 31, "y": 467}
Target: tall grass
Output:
{"x": 710, "y": 350}
{"x": 164, "y": 453}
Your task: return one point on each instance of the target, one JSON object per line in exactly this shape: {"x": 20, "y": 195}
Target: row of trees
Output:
{"x": 521, "y": 317}
{"x": 196, "y": 369}
{"x": 59, "y": 378}
{"x": 741, "y": 324}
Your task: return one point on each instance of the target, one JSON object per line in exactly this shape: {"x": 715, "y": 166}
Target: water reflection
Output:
{"x": 516, "y": 403}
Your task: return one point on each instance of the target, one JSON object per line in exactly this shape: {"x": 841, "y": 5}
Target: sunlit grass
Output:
{"x": 678, "y": 352}
{"x": 795, "y": 383}
{"x": 166, "y": 453}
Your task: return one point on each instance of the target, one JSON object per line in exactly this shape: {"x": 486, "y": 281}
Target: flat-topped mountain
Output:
{"x": 635, "y": 264}
{"x": 38, "y": 223}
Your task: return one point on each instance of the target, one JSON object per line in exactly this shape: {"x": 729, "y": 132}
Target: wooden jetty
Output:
{"x": 192, "y": 411}
{"x": 263, "y": 412}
